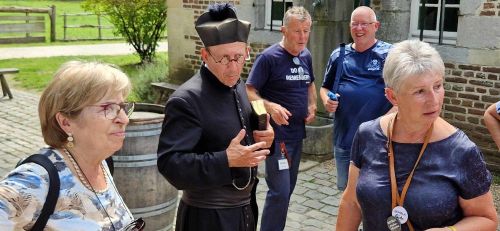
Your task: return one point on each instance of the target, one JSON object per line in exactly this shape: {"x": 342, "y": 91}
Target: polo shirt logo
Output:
{"x": 374, "y": 65}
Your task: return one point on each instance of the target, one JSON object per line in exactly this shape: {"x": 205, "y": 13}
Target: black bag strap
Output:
{"x": 54, "y": 185}
{"x": 111, "y": 164}
{"x": 340, "y": 68}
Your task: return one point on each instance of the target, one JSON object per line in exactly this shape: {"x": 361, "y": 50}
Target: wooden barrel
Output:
{"x": 145, "y": 191}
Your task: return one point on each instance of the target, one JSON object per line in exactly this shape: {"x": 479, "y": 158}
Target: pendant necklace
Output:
{"x": 83, "y": 178}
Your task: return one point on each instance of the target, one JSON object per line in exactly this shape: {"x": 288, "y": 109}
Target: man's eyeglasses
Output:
{"x": 137, "y": 225}
{"x": 225, "y": 60}
{"x": 111, "y": 110}
{"x": 361, "y": 24}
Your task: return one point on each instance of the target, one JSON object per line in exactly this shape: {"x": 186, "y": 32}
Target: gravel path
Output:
{"x": 72, "y": 50}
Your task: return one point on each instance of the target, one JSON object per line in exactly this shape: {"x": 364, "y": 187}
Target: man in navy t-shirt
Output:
{"x": 360, "y": 87}
{"x": 282, "y": 76}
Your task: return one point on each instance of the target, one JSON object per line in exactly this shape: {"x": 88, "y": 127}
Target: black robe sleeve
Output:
{"x": 179, "y": 161}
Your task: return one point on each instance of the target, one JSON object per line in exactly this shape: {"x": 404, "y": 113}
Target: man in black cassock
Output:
{"x": 207, "y": 147}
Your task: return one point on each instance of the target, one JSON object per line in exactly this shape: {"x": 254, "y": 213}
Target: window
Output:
{"x": 275, "y": 10}
{"x": 439, "y": 19}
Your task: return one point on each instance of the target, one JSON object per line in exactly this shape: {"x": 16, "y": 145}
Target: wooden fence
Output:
{"x": 99, "y": 26}
{"x": 20, "y": 28}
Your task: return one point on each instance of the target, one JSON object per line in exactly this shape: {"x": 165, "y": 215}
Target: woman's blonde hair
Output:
{"x": 410, "y": 58}
{"x": 75, "y": 85}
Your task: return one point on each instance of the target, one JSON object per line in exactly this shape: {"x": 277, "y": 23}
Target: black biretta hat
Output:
{"x": 219, "y": 25}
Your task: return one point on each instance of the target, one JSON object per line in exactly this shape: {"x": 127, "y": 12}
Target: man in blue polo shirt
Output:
{"x": 492, "y": 121}
{"x": 360, "y": 86}
{"x": 282, "y": 75}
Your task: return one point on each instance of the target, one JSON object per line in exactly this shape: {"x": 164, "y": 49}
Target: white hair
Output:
{"x": 410, "y": 59}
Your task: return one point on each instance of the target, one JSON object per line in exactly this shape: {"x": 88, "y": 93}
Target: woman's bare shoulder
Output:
{"x": 384, "y": 121}
{"x": 442, "y": 130}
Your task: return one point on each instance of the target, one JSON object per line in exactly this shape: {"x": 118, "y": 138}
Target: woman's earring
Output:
{"x": 70, "y": 140}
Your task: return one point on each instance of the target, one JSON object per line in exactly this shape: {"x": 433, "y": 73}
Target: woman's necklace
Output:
{"x": 79, "y": 173}
{"x": 131, "y": 216}
{"x": 83, "y": 178}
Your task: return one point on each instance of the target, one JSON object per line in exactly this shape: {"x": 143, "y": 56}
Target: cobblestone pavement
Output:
{"x": 20, "y": 133}
{"x": 314, "y": 203}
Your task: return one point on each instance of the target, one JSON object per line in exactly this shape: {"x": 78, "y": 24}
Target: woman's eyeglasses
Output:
{"x": 137, "y": 225}
{"x": 111, "y": 110}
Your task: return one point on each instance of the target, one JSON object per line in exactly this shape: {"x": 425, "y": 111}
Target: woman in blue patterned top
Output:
{"x": 83, "y": 123}
{"x": 412, "y": 170}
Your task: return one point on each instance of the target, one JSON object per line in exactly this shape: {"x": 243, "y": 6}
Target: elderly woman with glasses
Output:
{"x": 83, "y": 115}
{"x": 412, "y": 170}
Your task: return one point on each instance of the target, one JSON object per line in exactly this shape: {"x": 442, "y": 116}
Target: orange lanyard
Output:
{"x": 396, "y": 199}
{"x": 284, "y": 153}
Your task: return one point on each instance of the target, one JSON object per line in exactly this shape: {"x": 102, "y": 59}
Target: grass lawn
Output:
{"x": 62, "y": 7}
{"x": 36, "y": 73}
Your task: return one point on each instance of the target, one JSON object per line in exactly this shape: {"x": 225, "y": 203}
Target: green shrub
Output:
{"x": 156, "y": 71}
{"x": 141, "y": 22}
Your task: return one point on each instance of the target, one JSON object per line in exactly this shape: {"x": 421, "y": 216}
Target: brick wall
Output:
{"x": 490, "y": 8}
{"x": 193, "y": 59}
{"x": 199, "y": 6}
{"x": 470, "y": 89}
{"x": 255, "y": 49}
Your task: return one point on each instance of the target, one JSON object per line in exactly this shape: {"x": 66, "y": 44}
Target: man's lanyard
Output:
{"x": 396, "y": 199}
{"x": 284, "y": 153}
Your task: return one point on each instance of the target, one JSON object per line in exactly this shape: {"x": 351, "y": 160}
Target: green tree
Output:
{"x": 141, "y": 22}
